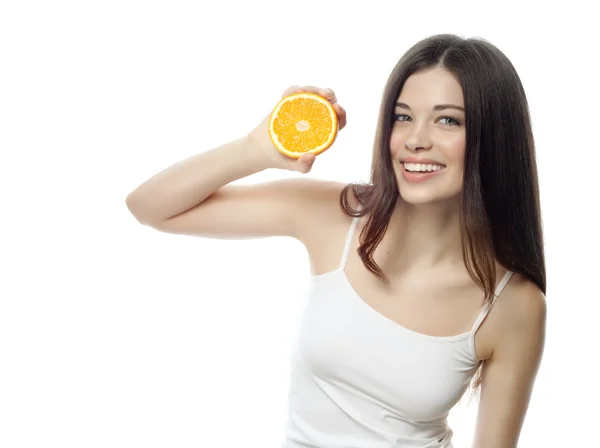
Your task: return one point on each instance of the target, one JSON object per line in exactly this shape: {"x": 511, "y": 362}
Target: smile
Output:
{"x": 421, "y": 167}
{"x": 420, "y": 176}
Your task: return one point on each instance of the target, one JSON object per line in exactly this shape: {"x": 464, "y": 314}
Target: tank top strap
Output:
{"x": 347, "y": 244}
{"x": 487, "y": 308}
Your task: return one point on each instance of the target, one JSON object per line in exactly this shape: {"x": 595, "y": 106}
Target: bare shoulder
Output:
{"x": 324, "y": 217}
{"x": 316, "y": 202}
{"x": 525, "y": 302}
{"x": 324, "y": 236}
{"x": 509, "y": 375}
{"x": 522, "y": 311}
{"x": 320, "y": 222}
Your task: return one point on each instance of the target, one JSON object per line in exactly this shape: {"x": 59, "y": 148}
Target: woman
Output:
{"x": 422, "y": 283}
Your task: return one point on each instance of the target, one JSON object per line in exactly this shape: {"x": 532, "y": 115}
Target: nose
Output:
{"x": 418, "y": 139}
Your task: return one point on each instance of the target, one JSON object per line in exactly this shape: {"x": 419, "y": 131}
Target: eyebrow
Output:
{"x": 436, "y": 107}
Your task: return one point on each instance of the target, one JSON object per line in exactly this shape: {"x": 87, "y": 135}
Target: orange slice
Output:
{"x": 301, "y": 123}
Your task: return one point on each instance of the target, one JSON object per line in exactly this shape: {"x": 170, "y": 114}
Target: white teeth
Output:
{"x": 421, "y": 167}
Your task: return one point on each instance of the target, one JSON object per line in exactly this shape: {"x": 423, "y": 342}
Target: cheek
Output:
{"x": 452, "y": 147}
{"x": 396, "y": 141}
{"x": 455, "y": 151}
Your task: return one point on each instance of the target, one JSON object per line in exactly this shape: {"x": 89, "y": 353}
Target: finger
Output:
{"x": 329, "y": 94}
{"x": 305, "y": 167}
{"x": 305, "y": 162}
{"x": 291, "y": 90}
{"x": 307, "y": 159}
{"x": 298, "y": 89}
{"x": 326, "y": 93}
{"x": 312, "y": 89}
{"x": 341, "y": 113}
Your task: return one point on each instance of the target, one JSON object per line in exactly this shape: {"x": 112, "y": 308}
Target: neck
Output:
{"x": 424, "y": 236}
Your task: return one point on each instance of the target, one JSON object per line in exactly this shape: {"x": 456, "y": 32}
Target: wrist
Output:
{"x": 254, "y": 155}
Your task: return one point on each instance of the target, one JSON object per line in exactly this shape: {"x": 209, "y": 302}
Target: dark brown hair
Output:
{"x": 500, "y": 207}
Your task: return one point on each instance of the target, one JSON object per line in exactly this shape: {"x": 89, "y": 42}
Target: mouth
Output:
{"x": 422, "y": 168}
{"x": 419, "y": 172}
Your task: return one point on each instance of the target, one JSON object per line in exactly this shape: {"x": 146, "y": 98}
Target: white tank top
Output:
{"x": 360, "y": 380}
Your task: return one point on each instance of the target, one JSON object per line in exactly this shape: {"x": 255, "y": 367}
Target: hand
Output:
{"x": 260, "y": 141}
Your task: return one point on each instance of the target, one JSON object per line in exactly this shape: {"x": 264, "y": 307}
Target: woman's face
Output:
{"x": 429, "y": 124}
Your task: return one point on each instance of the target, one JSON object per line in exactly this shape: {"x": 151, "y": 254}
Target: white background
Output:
{"x": 115, "y": 335}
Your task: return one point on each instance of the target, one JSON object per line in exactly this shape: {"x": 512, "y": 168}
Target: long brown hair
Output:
{"x": 500, "y": 216}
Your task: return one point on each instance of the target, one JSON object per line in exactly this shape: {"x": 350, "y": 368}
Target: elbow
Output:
{"x": 134, "y": 207}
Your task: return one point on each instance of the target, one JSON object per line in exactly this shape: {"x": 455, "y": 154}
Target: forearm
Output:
{"x": 189, "y": 182}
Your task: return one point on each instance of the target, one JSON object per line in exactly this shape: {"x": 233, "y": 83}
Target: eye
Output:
{"x": 452, "y": 120}
{"x": 397, "y": 116}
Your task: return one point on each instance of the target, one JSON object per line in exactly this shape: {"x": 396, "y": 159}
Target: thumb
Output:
{"x": 305, "y": 162}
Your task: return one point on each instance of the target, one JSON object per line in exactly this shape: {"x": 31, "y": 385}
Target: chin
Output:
{"x": 428, "y": 192}
{"x": 421, "y": 194}
{"x": 424, "y": 196}
{"x": 420, "y": 198}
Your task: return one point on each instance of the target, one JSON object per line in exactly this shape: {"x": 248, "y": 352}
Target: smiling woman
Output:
{"x": 426, "y": 279}
{"x": 434, "y": 130}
